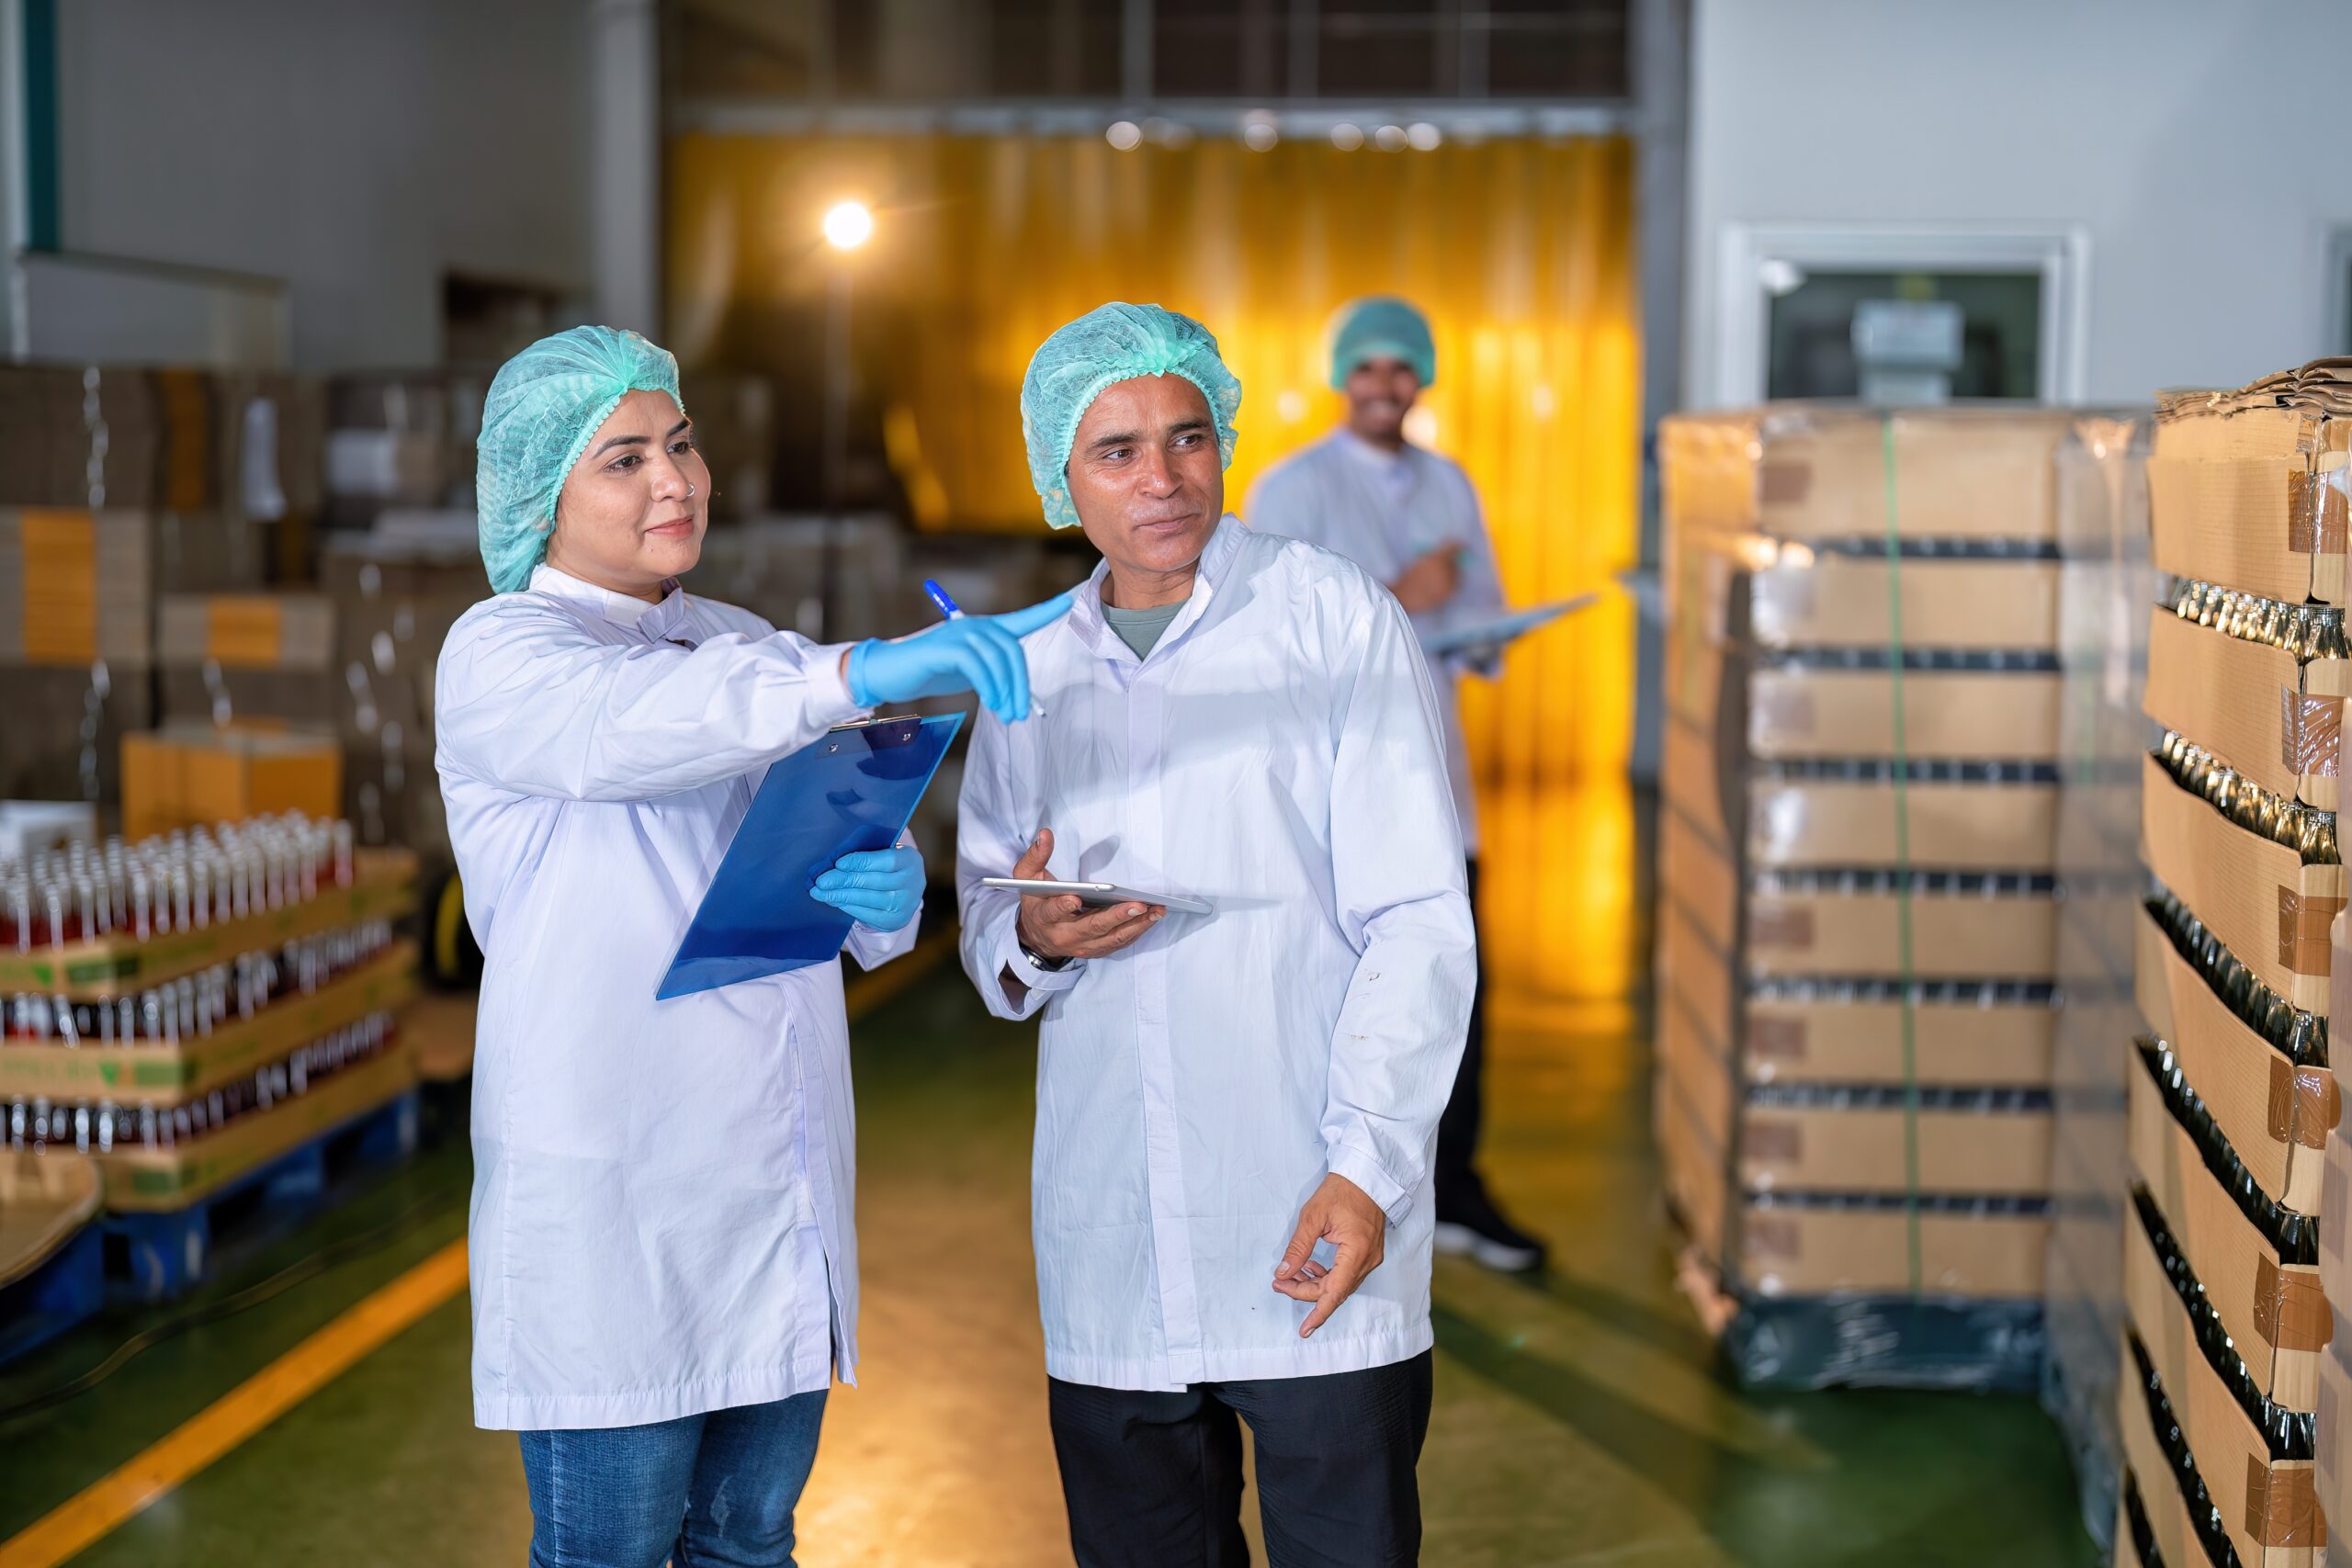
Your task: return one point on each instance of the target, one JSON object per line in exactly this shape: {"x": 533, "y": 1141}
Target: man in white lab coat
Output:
{"x": 1236, "y": 1111}
{"x": 1411, "y": 517}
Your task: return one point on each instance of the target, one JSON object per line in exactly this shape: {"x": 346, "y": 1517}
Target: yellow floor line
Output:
{"x": 238, "y": 1415}
{"x": 105, "y": 1504}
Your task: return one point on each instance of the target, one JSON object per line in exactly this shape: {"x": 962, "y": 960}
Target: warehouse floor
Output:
{"x": 1577, "y": 1419}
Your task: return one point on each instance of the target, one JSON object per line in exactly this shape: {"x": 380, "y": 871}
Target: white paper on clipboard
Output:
{"x": 1496, "y": 631}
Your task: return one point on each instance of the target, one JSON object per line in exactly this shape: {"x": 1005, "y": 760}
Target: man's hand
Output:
{"x": 1062, "y": 927}
{"x": 1431, "y": 580}
{"x": 1345, "y": 1215}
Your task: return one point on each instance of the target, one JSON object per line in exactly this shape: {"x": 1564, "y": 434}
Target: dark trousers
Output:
{"x": 1154, "y": 1479}
{"x": 1460, "y": 1192}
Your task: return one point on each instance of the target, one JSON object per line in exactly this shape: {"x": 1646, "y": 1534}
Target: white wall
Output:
{"x": 355, "y": 148}
{"x": 2200, "y": 145}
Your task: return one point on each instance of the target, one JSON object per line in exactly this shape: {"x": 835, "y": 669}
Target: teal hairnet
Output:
{"x": 544, "y": 405}
{"x": 1108, "y": 345}
{"x": 1381, "y": 327}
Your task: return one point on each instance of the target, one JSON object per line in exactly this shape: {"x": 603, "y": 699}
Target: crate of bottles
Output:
{"x": 187, "y": 1008}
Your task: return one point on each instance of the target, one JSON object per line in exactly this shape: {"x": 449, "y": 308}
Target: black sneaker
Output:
{"x": 1478, "y": 1230}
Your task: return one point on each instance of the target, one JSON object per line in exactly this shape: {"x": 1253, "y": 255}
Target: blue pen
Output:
{"x": 949, "y": 609}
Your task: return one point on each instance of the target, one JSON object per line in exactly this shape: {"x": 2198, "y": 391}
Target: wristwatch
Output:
{"x": 1050, "y": 965}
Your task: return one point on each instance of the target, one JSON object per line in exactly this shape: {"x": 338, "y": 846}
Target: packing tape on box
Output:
{"x": 2317, "y": 513}
{"x": 2305, "y": 1104}
{"x": 2303, "y": 920}
{"x": 2290, "y": 1310}
{"x": 2282, "y": 1505}
{"x": 2310, "y": 727}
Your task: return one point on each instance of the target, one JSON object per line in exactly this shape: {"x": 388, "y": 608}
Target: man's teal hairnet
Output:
{"x": 1108, "y": 345}
{"x": 1381, "y": 327}
{"x": 543, "y": 406}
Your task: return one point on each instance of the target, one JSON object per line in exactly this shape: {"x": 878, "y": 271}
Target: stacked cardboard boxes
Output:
{"x": 1857, "y": 932}
{"x": 2108, "y": 585}
{"x": 2230, "y": 1104}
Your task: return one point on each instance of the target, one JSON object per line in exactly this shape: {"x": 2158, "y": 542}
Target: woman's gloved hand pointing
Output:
{"x": 880, "y": 889}
{"x": 978, "y": 653}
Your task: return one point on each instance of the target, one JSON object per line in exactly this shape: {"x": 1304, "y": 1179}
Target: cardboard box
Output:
{"x": 1823, "y": 472}
{"x": 2275, "y": 1114}
{"x": 2251, "y": 498}
{"x": 1962, "y": 934}
{"x": 62, "y": 733}
{"x": 1796, "y": 712}
{"x": 2271, "y": 718}
{"x": 2171, "y": 1525}
{"x": 1782, "y": 1248}
{"x": 185, "y": 776}
{"x": 2269, "y": 909}
{"x": 1957, "y": 1043}
{"x": 2274, "y": 1307}
{"x": 237, "y": 657}
{"x": 2269, "y": 1505}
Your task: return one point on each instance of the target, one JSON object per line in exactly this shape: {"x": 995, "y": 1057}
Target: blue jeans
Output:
{"x": 711, "y": 1491}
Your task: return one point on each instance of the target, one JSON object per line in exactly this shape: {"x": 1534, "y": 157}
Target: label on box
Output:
{"x": 2309, "y": 728}
{"x": 1776, "y": 926}
{"x": 2290, "y": 1310}
{"x": 2316, "y": 512}
{"x": 1782, "y": 1039}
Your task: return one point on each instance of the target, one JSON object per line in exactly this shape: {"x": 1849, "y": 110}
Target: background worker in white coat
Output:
{"x": 1411, "y": 518}
{"x": 664, "y": 1259}
{"x": 1235, "y": 1111}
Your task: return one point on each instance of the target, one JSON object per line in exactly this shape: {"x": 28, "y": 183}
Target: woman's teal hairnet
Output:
{"x": 1381, "y": 327}
{"x": 1110, "y": 343}
{"x": 544, "y": 405}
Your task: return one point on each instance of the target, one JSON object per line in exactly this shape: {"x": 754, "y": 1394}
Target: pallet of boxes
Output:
{"x": 2231, "y": 1101}
{"x": 1855, "y": 914}
{"x": 211, "y": 1016}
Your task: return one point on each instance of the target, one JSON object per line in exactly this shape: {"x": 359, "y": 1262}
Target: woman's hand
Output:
{"x": 979, "y": 653}
{"x": 880, "y": 889}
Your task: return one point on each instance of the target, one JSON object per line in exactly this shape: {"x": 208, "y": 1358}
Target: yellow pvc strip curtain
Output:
{"x": 1520, "y": 252}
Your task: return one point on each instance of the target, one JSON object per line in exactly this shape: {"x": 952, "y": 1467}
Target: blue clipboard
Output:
{"x": 851, "y": 788}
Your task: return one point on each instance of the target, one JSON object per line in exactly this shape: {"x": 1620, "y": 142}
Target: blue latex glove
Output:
{"x": 979, "y": 653}
{"x": 880, "y": 889}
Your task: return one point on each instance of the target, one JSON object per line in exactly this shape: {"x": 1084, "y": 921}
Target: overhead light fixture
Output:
{"x": 848, "y": 225}
{"x": 1423, "y": 135}
{"x": 1124, "y": 134}
{"x": 1259, "y": 131}
{"x": 1346, "y": 138}
{"x": 1389, "y": 139}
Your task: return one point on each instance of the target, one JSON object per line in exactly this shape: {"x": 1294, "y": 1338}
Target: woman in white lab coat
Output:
{"x": 664, "y": 1266}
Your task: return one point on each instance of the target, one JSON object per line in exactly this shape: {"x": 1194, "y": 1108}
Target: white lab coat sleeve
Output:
{"x": 527, "y": 701}
{"x": 1480, "y": 594}
{"x": 1397, "y": 872}
{"x": 873, "y": 949}
{"x": 995, "y": 818}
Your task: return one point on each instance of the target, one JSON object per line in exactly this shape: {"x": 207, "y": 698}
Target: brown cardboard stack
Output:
{"x": 78, "y": 592}
{"x": 397, "y": 589}
{"x": 1857, "y": 932}
{"x": 235, "y": 656}
{"x": 2231, "y": 1105}
{"x": 400, "y": 439}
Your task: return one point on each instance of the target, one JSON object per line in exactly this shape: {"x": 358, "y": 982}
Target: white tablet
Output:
{"x": 1100, "y": 894}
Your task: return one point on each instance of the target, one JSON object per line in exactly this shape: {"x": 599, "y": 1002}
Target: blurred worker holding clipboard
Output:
{"x": 1223, "y": 869}
{"x": 1411, "y": 518}
{"x": 663, "y": 1259}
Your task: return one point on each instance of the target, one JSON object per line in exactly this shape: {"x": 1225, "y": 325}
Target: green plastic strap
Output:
{"x": 1902, "y": 862}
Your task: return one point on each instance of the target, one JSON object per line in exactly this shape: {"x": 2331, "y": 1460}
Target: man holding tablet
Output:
{"x": 1236, "y": 1108}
